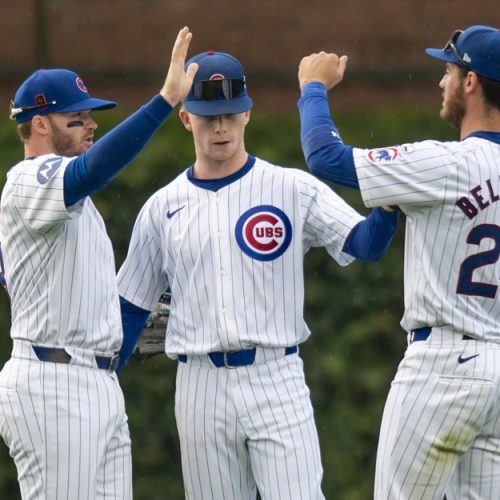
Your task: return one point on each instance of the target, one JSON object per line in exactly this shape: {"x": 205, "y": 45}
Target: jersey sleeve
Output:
{"x": 36, "y": 192}
{"x": 141, "y": 278}
{"x": 329, "y": 219}
{"x": 410, "y": 174}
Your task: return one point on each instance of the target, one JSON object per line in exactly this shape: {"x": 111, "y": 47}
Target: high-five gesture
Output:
{"x": 178, "y": 80}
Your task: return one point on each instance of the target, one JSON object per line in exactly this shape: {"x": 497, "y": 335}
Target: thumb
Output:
{"x": 343, "y": 63}
{"x": 191, "y": 71}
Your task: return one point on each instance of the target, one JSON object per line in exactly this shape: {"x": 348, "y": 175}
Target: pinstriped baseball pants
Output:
{"x": 247, "y": 428}
{"x": 440, "y": 430}
{"x": 66, "y": 429}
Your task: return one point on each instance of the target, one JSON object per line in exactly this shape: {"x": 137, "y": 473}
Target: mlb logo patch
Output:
{"x": 47, "y": 169}
{"x": 382, "y": 155}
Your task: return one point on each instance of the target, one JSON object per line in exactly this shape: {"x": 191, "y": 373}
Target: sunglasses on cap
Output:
{"x": 451, "y": 45}
{"x": 16, "y": 111}
{"x": 207, "y": 90}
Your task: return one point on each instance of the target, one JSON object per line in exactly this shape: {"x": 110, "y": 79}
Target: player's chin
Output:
{"x": 454, "y": 119}
{"x": 86, "y": 145}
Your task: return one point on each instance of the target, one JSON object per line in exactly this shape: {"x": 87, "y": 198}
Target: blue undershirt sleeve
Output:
{"x": 370, "y": 238}
{"x": 326, "y": 155}
{"x": 133, "y": 321}
{"x": 94, "y": 169}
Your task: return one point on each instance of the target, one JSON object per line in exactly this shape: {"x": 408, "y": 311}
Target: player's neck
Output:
{"x": 479, "y": 117}
{"x": 485, "y": 123}
{"x": 33, "y": 149}
{"x": 214, "y": 168}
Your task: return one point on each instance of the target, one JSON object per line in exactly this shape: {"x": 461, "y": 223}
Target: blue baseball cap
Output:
{"x": 53, "y": 91}
{"x": 219, "y": 86}
{"x": 476, "y": 48}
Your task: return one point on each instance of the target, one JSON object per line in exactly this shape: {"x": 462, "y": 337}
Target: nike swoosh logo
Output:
{"x": 171, "y": 214}
{"x": 461, "y": 359}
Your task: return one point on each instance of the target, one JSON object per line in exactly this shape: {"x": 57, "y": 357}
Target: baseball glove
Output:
{"x": 152, "y": 338}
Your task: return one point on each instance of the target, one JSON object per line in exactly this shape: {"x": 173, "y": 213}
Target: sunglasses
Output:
{"x": 16, "y": 111}
{"x": 451, "y": 45}
{"x": 207, "y": 90}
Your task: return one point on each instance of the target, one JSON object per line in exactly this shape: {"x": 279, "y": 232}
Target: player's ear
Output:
{"x": 185, "y": 119}
{"x": 39, "y": 125}
{"x": 471, "y": 82}
{"x": 247, "y": 117}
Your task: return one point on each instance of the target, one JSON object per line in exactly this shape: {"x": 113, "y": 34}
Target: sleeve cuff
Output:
{"x": 313, "y": 88}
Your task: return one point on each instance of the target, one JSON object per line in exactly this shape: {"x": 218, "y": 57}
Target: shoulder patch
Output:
{"x": 47, "y": 169}
{"x": 383, "y": 155}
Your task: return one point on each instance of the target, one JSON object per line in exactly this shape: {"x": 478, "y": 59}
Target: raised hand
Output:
{"x": 326, "y": 68}
{"x": 179, "y": 81}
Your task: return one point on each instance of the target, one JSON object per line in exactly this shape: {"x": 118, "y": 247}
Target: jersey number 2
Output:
{"x": 466, "y": 286}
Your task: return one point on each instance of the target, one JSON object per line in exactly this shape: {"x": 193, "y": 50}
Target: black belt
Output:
{"x": 424, "y": 332}
{"x": 59, "y": 355}
{"x": 235, "y": 358}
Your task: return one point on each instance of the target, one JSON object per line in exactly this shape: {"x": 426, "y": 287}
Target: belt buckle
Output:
{"x": 113, "y": 362}
{"x": 226, "y": 363}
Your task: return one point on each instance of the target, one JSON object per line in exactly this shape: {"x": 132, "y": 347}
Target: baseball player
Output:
{"x": 62, "y": 413}
{"x": 441, "y": 425}
{"x": 228, "y": 236}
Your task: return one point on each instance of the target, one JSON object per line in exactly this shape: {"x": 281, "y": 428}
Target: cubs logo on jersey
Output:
{"x": 264, "y": 232}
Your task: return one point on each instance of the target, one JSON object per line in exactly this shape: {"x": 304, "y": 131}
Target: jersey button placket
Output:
{"x": 221, "y": 254}
{"x": 226, "y": 275}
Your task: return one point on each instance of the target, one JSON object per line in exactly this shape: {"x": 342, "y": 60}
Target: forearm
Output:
{"x": 94, "y": 169}
{"x": 370, "y": 238}
{"x": 326, "y": 155}
{"x": 133, "y": 321}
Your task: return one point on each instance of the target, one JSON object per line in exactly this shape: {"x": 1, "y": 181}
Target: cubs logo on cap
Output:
{"x": 53, "y": 91}
{"x": 264, "y": 232}
{"x": 219, "y": 86}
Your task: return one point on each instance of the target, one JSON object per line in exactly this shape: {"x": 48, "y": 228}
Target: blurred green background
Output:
{"x": 353, "y": 312}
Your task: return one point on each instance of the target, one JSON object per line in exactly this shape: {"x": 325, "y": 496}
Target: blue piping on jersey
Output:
{"x": 216, "y": 184}
{"x": 489, "y": 136}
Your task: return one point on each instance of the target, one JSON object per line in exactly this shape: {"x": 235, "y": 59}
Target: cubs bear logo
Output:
{"x": 382, "y": 155}
{"x": 264, "y": 232}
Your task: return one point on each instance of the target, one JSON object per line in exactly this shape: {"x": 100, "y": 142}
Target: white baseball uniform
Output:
{"x": 441, "y": 426}
{"x": 64, "y": 422}
{"x": 233, "y": 259}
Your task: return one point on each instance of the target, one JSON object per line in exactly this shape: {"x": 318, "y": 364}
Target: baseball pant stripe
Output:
{"x": 55, "y": 440}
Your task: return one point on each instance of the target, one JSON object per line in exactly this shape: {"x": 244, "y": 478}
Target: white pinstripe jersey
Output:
{"x": 233, "y": 258}
{"x": 59, "y": 263}
{"x": 450, "y": 193}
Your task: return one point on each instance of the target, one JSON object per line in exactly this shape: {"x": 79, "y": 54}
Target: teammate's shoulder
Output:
{"x": 292, "y": 175}
{"x": 282, "y": 169}
{"x": 399, "y": 152}
{"x": 34, "y": 162}
{"x": 32, "y": 166}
